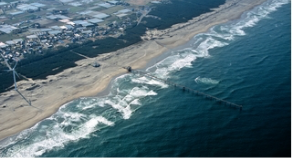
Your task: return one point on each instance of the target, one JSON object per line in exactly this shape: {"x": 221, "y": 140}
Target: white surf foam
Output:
{"x": 135, "y": 102}
{"x": 206, "y": 80}
{"x": 252, "y": 17}
{"x": 55, "y": 137}
{"x": 89, "y": 103}
{"x": 185, "y": 57}
{"x": 141, "y": 92}
{"x": 123, "y": 101}
{"x": 149, "y": 82}
{"x": 124, "y": 110}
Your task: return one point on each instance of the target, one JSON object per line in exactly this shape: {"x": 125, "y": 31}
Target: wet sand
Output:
{"x": 85, "y": 80}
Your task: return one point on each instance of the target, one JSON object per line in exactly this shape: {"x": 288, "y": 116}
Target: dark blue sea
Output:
{"x": 246, "y": 61}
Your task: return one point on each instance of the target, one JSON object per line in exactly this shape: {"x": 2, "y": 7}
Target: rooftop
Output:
{"x": 101, "y": 15}
{"x": 16, "y": 12}
{"x": 66, "y": 27}
{"x": 83, "y": 23}
{"x": 32, "y": 36}
{"x": 86, "y": 12}
{"x": 7, "y": 28}
{"x": 95, "y": 20}
{"x": 155, "y": 2}
{"x": 54, "y": 32}
{"x": 54, "y": 17}
{"x": 121, "y": 15}
{"x": 14, "y": 41}
{"x": 86, "y": 31}
{"x": 3, "y": 3}
{"x": 66, "y": 1}
{"x": 76, "y": 4}
{"x": 3, "y": 45}
{"x": 25, "y": 7}
{"x": 38, "y": 4}
{"x": 123, "y": 11}
{"x": 55, "y": 27}
{"x": 106, "y": 5}
{"x": 113, "y": 2}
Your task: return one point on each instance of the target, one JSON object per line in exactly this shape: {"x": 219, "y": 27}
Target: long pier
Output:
{"x": 184, "y": 88}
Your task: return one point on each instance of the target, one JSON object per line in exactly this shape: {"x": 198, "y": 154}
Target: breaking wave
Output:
{"x": 206, "y": 80}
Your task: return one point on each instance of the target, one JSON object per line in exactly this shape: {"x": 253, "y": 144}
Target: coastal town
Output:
{"x": 31, "y": 26}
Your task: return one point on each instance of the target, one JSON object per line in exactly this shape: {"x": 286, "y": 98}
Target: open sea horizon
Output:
{"x": 245, "y": 61}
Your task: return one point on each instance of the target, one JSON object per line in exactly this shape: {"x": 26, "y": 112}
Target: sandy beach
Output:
{"x": 84, "y": 80}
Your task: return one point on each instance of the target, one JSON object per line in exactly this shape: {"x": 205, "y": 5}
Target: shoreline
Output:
{"x": 85, "y": 80}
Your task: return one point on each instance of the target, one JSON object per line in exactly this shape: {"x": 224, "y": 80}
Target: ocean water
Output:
{"x": 246, "y": 61}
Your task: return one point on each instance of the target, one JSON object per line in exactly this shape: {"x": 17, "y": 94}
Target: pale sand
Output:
{"x": 85, "y": 80}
